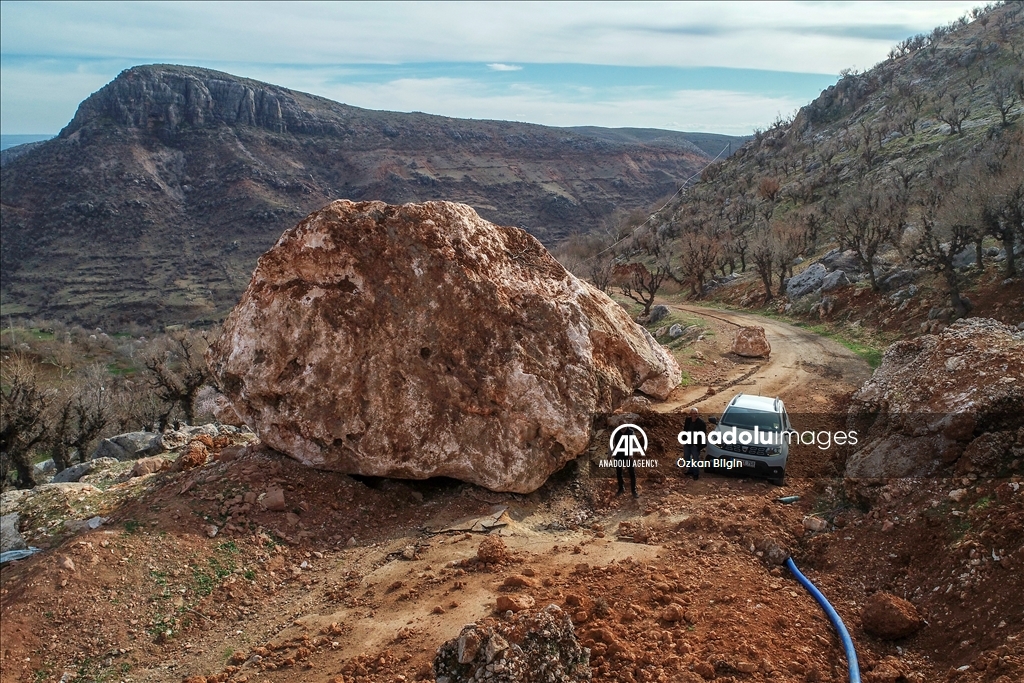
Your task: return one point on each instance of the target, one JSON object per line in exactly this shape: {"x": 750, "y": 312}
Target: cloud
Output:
{"x": 889, "y": 33}
{"x": 777, "y": 35}
{"x": 54, "y": 54}
{"x": 718, "y": 111}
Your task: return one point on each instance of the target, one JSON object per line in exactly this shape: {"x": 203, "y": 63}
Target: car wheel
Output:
{"x": 779, "y": 480}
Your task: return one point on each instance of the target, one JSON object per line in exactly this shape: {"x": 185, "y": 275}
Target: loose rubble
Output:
{"x": 534, "y": 647}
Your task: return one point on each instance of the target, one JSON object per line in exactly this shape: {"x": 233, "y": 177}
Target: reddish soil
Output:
{"x": 675, "y": 586}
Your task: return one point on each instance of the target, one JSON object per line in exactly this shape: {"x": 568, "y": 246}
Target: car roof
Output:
{"x": 761, "y": 403}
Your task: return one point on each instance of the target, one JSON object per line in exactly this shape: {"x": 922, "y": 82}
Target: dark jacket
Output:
{"x": 695, "y": 426}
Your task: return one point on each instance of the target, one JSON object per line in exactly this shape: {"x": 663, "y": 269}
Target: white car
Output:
{"x": 752, "y": 437}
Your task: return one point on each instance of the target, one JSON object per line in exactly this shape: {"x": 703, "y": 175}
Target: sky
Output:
{"x": 694, "y": 66}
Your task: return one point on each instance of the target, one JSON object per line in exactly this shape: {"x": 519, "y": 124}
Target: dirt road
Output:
{"x": 805, "y": 369}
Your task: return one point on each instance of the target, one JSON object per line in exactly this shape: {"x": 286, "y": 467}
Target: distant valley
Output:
{"x": 154, "y": 203}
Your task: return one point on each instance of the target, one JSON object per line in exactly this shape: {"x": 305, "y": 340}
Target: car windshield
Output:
{"x": 744, "y": 418}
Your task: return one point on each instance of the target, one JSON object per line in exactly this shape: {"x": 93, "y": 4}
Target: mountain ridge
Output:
{"x": 190, "y": 174}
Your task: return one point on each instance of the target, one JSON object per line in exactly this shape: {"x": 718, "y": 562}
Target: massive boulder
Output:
{"x": 942, "y": 401}
{"x": 420, "y": 340}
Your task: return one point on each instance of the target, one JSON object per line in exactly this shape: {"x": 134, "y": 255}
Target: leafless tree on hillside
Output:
{"x": 23, "y": 405}
{"x": 738, "y": 216}
{"x": 905, "y": 173}
{"x": 915, "y": 105}
{"x": 81, "y": 414}
{"x": 1001, "y": 192}
{"x": 177, "y": 371}
{"x": 953, "y": 115}
{"x": 763, "y": 258}
{"x": 768, "y": 189}
{"x": 640, "y": 284}
{"x": 698, "y": 251}
{"x": 871, "y": 217}
{"x": 827, "y": 153}
{"x": 599, "y": 269}
{"x": 868, "y": 151}
{"x": 945, "y": 229}
{"x": 972, "y": 79}
{"x": 1004, "y": 94}
{"x": 790, "y": 239}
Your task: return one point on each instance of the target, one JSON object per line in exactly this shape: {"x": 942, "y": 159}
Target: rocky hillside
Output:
{"x": 908, "y": 178}
{"x": 154, "y": 203}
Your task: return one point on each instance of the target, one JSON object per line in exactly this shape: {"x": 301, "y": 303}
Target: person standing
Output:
{"x": 624, "y": 456}
{"x": 698, "y": 430}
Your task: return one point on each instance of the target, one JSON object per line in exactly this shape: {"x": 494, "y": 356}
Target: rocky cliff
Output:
{"x": 153, "y": 204}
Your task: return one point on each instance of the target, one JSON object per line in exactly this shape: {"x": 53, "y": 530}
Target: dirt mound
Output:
{"x": 940, "y": 399}
{"x": 889, "y": 617}
{"x": 420, "y": 340}
{"x": 492, "y": 550}
{"x": 533, "y": 647}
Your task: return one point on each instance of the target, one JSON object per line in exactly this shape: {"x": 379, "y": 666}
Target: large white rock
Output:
{"x": 10, "y": 535}
{"x": 805, "y": 282}
{"x": 420, "y": 340}
{"x": 950, "y": 399}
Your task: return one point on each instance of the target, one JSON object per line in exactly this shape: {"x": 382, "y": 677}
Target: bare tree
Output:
{"x": 870, "y": 217}
{"x": 23, "y": 405}
{"x": 698, "y": 251}
{"x": 1004, "y": 94}
{"x": 789, "y": 238}
{"x": 768, "y": 189}
{"x": 599, "y": 270}
{"x": 739, "y": 215}
{"x": 813, "y": 222}
{"x": 915, "y": 104}
{"x": 867, "y": 133}
{"x": 763, "y": 257}
{"x": 81, "y": 415}
{"x": 1001, "y": 189}
{"x": 972, "y": 79}
{"x": 943, "y": 232}
{"x": 178, "y": 371}
{"x": 640, "y": 284}
{"x": 953, "y": 115}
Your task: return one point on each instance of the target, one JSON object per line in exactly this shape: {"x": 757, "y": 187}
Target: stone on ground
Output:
{"x": 806, "y": 281}
{"x": 751, "y": 342}
{"x": 889, "y": 617}
{"x": 76, "y": 472}
{"x": 130, "y": 446}
{"x": 492, "y": 550}
{"x": 10, "y": 535}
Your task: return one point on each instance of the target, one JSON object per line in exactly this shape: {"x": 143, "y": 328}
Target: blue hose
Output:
{"x": 844, "y": 635}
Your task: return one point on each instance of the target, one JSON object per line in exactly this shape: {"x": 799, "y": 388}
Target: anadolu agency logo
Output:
{"x": 627, "y": 447}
